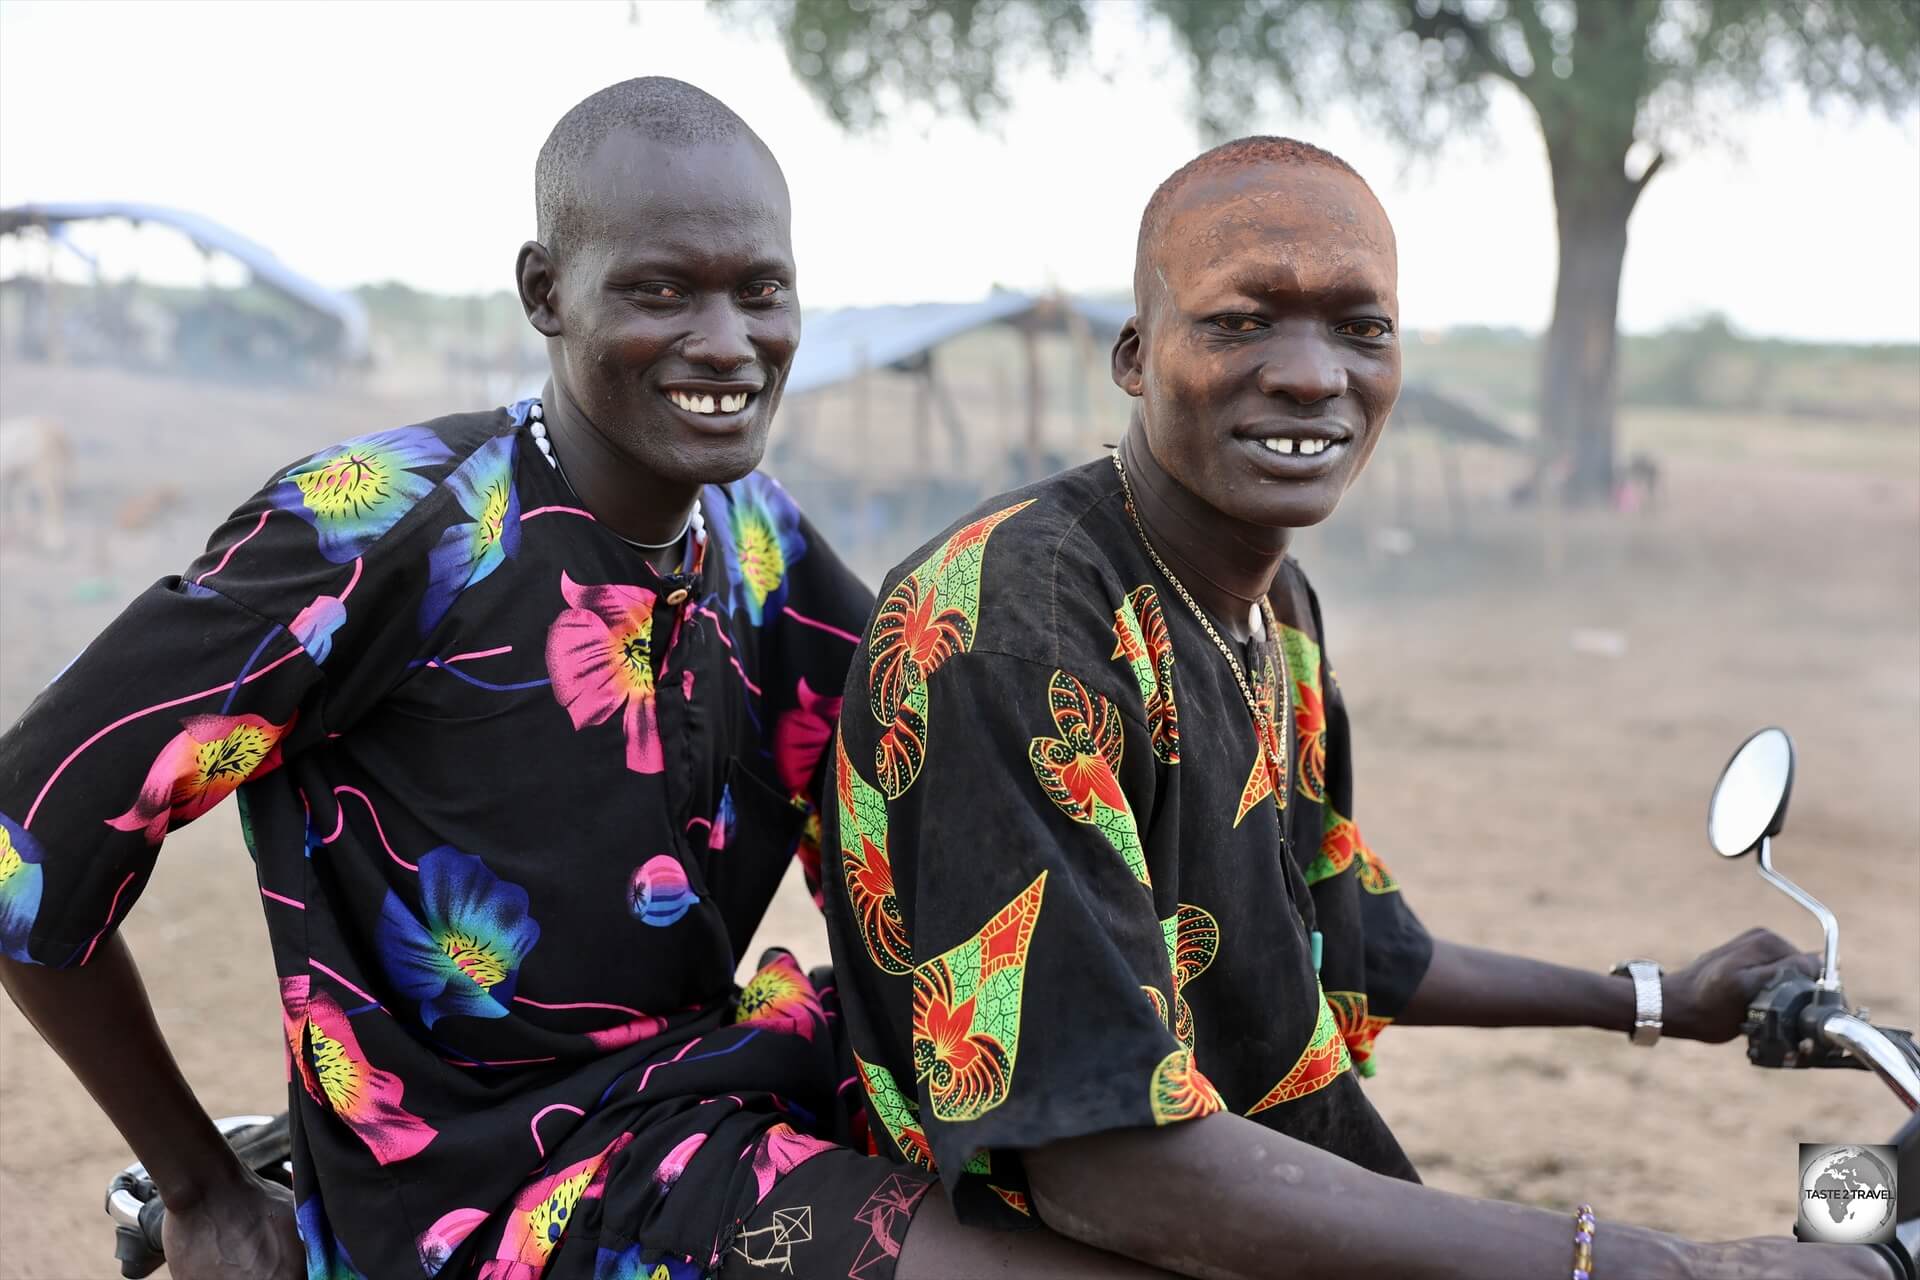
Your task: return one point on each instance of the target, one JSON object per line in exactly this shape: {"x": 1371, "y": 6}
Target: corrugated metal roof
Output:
{"x": 212, "y": 236}
{"x": 838, "y": 345}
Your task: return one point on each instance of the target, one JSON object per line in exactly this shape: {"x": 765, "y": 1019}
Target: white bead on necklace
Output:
{"x": 537, "y": 427}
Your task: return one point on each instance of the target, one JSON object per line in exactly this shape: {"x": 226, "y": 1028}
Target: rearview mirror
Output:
{"x": 1750, "y": 801}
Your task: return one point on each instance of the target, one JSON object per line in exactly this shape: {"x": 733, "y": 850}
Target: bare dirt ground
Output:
{"x": 1531, "y": 795}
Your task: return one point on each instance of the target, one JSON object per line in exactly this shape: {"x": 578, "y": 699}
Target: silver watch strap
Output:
{"x": 1646, "y": 1000}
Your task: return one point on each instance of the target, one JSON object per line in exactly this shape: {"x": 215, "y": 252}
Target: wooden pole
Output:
{"x": 923, "y": 414}
{"x": 1036, "y": 399}
{"x": 1456, "y": 493}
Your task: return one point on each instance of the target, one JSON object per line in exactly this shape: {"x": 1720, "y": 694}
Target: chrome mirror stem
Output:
{"x": 1830, "y": 970}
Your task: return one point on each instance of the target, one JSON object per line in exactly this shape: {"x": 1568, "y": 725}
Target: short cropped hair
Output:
{"x": 1240, "y": 153}
{"x": 659, "y": 107}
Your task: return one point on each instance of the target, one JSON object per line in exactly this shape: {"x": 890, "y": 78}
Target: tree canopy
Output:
{"x": 1616, "y": 86}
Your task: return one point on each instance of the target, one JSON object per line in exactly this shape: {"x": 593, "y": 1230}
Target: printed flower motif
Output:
{"x": 926, "y": 619}
{"x": 1357, "y": 1026}
{"x": 1193, "y": 939}
{"x": 722, "y": 826}
{"x": 462, "y": 954}
{"x": 807, "y": 853}
{"x": 1340, "y": 846}
{"x": 779, "y": 1152}
{"x": 314, "y": 626}
{"x": 867, "y": 867}
{"x": 541, "y": 1213}
{"x": 600, "y": 655}
{"x": 295, "y": 995}
{"x": 626, "y": 1265}
{"x": 1319, "y": 1065}
{"x": 659, "y": 893}
{"x": 354, "y": 492}
{"x": 897, "y": 1112}
{"x": 800, "y": 738}
{"x": 668, "y": 1171}
{"x": 468, "y": 552}
{"x": 760, "y": 541}
{"x": 1142, "y": 642}
{"x": 1080, "y": 769}
{"x": 1015, "y": 1200}
{"x": 632, "y": 1031}
{"x": 361, "y": 1094}
{"x": 1309, "y": 711}
{"x": 326, "y": 1257}
{"x": 20, "y": 884}
{"x": 203, "y": 764}
{"x": 437, "y": 1242}
{"x": 780, "y": 998}
{"x": 1268, "y": 776}
{"x": 966, "y": 1013}
{"x": 1180, "y": 1092}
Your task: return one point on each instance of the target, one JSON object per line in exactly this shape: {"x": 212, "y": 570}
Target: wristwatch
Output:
{"x": 1646, "y": 1000}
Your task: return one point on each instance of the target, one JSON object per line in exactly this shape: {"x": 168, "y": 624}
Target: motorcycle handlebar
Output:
{"x": 1872, "y": 1047}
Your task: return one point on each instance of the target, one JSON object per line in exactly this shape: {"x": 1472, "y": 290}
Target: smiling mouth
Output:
{"x": 1291, "y": 445}
{"x": 711, "y": 404}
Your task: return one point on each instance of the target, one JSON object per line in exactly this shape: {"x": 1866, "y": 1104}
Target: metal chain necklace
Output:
{"x": 1267, "y": 743}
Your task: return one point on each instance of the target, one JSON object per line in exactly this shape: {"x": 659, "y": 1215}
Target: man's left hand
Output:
{"x": 1708, "y": 999}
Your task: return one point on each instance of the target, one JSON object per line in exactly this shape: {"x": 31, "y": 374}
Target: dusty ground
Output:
{"x": 1531, "y": 796}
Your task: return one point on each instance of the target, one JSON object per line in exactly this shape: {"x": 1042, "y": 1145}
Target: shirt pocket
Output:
{"x": 748, "y": 849}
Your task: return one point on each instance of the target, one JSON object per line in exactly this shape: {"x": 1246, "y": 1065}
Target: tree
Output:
{"x": 1616, "y": 86}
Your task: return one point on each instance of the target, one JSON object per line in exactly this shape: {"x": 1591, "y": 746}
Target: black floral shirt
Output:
{"x": 516, "y": 804}
{"x": 1063, "y": 901}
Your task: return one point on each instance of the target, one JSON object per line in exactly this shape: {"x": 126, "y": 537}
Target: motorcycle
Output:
{"x": 1797, "y": 1023}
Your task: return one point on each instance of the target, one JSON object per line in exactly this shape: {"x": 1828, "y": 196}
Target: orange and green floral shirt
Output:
{"x": 1078, "y": 886}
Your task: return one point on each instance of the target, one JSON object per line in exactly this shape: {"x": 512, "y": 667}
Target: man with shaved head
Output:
{"x": 1113, "y": 952}
{"x": 527, "y": 712}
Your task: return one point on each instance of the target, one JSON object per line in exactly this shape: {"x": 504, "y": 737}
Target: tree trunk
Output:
{"x": 1579, "y": 380}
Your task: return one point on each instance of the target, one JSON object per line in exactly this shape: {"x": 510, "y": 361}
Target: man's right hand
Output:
{"x": 1773, "y": 1257}
{"x": 243, "y": 1232}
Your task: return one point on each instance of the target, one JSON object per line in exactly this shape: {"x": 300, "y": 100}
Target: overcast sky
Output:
{"x": 366, "y": 142}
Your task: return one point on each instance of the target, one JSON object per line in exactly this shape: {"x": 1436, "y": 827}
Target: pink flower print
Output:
{"x": 314, "y": 626}
{"x": 600, "y": 655}
{"x": 200, "y": 768}
{"x": 361, "y": 1094}
{"x": 780, "y": 998}
{"x": 295, "y": 996}
{"x": 541, "y": 1213}
{"x": 675, "y": 1164}
{"x": 800, "y": 738}
{"x": 437, "y": 1243}
{"x": 632, "y": 1031}
{"x": 781, "y": 1151}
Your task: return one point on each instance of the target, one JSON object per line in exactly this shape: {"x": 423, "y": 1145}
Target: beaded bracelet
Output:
{"x": 1583, "y": 1224}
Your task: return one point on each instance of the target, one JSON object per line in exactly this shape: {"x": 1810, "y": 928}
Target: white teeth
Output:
{"x": 708, "y": 404}
{"x": 1284, "y": 444}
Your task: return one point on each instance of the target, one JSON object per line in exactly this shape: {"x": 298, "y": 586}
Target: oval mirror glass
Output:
{"x": 1750, "y": 801}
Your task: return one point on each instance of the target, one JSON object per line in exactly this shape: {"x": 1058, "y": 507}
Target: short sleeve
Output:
{"x": 995, "y": 898}
{"x": 205, "y": 682}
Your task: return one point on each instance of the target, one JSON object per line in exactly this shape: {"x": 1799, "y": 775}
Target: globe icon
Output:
{"x": 1847, "y": 1196}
